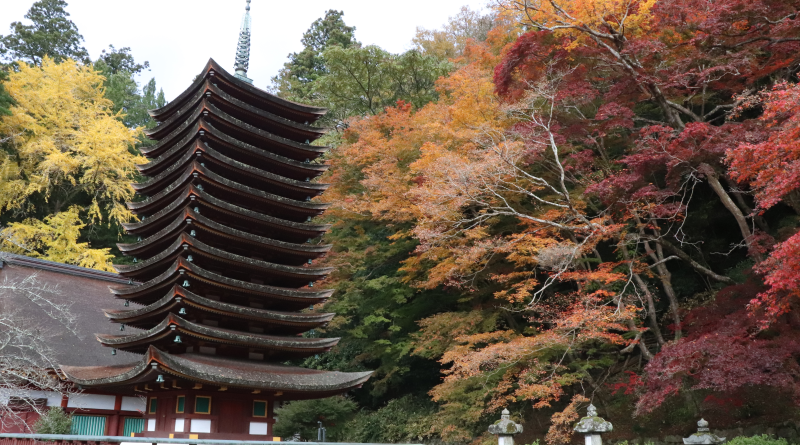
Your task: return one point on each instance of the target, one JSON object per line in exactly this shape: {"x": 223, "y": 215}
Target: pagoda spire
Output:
{"x": 243, "y": 47}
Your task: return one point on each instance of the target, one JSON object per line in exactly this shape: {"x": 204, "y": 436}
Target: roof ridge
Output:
{"x": 54, "y": 266}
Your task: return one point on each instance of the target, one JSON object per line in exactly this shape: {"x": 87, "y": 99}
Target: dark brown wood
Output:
{"x": 224, "y": 265}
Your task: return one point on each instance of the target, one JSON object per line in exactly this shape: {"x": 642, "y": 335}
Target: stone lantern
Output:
{"x": 505, "y": 429}
{"x": 703, "y": 436}
{"x": 593, "y": 426}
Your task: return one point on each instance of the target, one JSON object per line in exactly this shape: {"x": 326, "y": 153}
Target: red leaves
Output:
{"x": 526, "y": 61}
{"x": 725, "y": 350}
{"x": 772, "y": 165}
{"x": 782, "y": 273}
{"x": 633, "y": 384}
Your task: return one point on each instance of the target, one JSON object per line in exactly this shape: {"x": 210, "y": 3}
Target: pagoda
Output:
{"x": 222, "y": 285}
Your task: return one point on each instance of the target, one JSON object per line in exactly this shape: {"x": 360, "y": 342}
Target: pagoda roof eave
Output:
{"x": 218, "y": 371}
{"x": 166, "y": 158}
{"x": 209, "y": 88}
{"x": 173, "y": 323}
{"x": 212, "y": 65}
{"x": 180, "y": 296}
{"x": 186, "y": 242}
{"x": 182, "y": 268}
{"x": 201, "y": 149}
{"x": 210, "y": 112}
{"x": 202, "y": 173}
{"x": 201, "y": 197}
{"x": 205, "y": 223}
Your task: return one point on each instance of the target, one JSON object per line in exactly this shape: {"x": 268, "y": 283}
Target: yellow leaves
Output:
{"x": 67, "y": 146}
{"x": 54, "y": 239}
{"x": 575, "y": 18}
{"x": 65, "y": 137}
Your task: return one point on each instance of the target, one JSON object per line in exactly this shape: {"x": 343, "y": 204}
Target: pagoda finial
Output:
{"x": 243, "y": 47}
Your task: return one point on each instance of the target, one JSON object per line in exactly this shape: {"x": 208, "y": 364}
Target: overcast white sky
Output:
{"x": 178, "y": 36}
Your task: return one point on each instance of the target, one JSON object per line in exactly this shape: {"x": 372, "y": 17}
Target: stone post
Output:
{"x": 505, "y": 429}
{"x": 703, "y": 436}
{"x": 593, "y": 426}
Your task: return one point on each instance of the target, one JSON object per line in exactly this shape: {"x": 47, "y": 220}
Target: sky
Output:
{"x": 178, "y": 37}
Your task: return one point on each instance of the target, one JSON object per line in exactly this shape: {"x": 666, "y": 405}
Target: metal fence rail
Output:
{"x": 66, "y": 439}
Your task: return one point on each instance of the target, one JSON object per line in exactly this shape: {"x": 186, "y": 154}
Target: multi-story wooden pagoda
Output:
{"x": 223, "y": 275}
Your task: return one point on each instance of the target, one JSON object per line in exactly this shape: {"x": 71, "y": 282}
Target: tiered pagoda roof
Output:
{"x": 223, "y": 274}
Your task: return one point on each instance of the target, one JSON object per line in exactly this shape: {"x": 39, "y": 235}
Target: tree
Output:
{"x": 119, "y": 68}
{"x": 451, "y": 41}
{"x": 302, "y": 417}
{"x": 305, "y": 67}
{"x": 770, "y": 163}
{"x": 120, "y": 60}
{"x": 67, "y": 164}
{"x": 5, "y": 99}
{"x": 26, "y": 357}
{"x": 365, "y": 80}
{"x": 725, "y": 350}
{"x": 51, "y": 34}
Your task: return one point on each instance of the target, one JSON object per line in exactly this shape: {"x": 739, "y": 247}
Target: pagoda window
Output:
{"x": 259, "y": 408}
{"x": 152, "y": 405}
{"x": 180, "y": 425}
{"x": 180, "y": 405}
{"x": 202, "y": 405}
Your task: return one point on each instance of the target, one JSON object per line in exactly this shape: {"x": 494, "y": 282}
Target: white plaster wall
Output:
{"x": 53, "y": 398}
{"x": 200, "y": 426}
{"x": 133, "y": 404}
{"x": 259, "y": 428}
{"x": 91, "y": 401}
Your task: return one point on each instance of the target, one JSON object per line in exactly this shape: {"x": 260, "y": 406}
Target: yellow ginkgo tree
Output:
{"x": 66, "y": 162}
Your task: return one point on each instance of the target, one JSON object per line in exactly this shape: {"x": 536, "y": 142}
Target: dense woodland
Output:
{"x": 541, "y": 204}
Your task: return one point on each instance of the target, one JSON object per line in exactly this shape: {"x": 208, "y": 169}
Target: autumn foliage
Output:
{"x": 67, "y": 163}
{"x": 584, "y": 182}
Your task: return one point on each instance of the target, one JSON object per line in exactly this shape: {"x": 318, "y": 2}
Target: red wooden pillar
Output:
{"x": 112, "y": 427}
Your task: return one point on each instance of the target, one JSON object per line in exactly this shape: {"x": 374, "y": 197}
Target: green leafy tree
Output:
{"x": 377, "y": 313}
{"x": 5, "y": 99}
{"x": 53, "y": 421}
{"x": 301, "y": 417}
{"x": 119, "y": 68}
{"x": 364, "y": 81}
{"x": 119, "y": 60}
{"x": 406, "y": 419}
{"x": 51, "y": 33}
{"x": 304, "y": 68}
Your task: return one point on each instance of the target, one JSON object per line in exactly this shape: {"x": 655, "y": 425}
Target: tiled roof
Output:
{"x": 84, "y": 290}
{"x": 220, "y": 371}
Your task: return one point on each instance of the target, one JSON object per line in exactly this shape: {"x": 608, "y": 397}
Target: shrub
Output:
{"x": 53, "y": 421}
{"x": 757, "y": 440}
{"x": 302, "y": 416}
{"x": 406, "y": 419}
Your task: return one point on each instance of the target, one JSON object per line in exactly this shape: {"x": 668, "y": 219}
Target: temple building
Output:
{"x": 222, "y": 290}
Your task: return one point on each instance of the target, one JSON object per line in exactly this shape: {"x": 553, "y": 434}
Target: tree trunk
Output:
{"x": 713, "y": 180}
{"x": 675, "y": 250}
{"x": 664, "y": 275}
{"x": 648, "y": 296}
{"x": 758, "y": 219}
